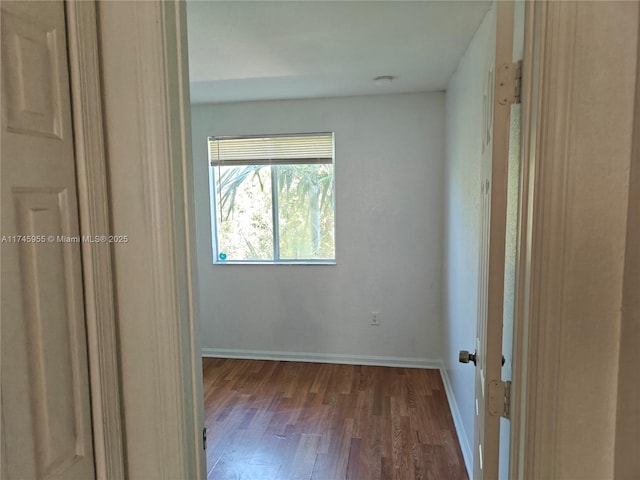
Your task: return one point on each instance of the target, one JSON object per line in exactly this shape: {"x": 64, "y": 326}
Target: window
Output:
{"x": 272, "y": 198}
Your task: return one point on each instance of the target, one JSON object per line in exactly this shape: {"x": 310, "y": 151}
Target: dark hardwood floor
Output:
{"x": 271, "y": 420}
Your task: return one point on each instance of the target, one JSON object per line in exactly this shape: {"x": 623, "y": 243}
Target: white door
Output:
{"x": 46, "y": 423}
{"x": 489, "y": 385}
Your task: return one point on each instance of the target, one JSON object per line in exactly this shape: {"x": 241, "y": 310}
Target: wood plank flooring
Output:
{"x": 270, "y": 420}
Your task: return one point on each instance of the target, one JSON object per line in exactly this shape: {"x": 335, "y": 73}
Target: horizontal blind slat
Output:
{"x": 315, "y": 148}
{"x": 273, "y": 161}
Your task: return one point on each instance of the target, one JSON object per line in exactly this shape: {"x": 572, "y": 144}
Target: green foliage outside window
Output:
{"x": 302, "y": 194}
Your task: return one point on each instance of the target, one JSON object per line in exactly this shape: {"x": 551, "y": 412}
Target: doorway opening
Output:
{"x": 375, "y": 74}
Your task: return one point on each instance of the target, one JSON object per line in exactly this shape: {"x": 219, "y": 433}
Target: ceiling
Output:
{"x": 266, "y": 50}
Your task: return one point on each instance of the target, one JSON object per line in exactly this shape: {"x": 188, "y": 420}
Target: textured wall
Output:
{"x": 389, "y": 205}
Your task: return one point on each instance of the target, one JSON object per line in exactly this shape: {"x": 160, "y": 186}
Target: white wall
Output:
{"x": 461, "y": 218}
{"x": 389, "y": 206}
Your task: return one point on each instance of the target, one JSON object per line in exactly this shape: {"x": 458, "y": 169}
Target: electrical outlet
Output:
{"x": 375, "y": 319}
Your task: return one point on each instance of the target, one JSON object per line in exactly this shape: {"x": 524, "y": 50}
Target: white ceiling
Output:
{"x": 264, "y": 50}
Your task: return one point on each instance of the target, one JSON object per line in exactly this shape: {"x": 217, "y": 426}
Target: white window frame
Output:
{"x": 274, "y": 205}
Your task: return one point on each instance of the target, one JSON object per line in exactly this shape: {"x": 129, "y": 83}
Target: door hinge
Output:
{"x": 509, "y": 83}
{"x": 499, "y": 398}
{"x": 204, "y": 438}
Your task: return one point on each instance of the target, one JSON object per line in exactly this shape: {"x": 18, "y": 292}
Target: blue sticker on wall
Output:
{"x": 223, "y": 256}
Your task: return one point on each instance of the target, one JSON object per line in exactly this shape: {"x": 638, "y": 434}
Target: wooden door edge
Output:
{"x": 505, "y": 12}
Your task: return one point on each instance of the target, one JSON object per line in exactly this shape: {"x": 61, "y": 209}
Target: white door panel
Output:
{"x": 45, "y": 393}
{"x": 494, "y": 190}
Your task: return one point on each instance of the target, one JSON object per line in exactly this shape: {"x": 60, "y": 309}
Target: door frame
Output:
{"x": 530, "y": 98}
{"x": 164, "y": 439}
{"x": 93, "y": 201}
{"x": 549, "y": 45}
{"x": 145, "y": 92}
{"x": 627, "y": 461}
{"x": 553, "y": 195}
{"x": 157, "y": 69}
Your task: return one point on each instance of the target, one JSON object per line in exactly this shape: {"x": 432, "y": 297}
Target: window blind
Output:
{"x": 287, "y": 149}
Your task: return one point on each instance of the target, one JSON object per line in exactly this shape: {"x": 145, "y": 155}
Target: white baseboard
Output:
{"x": 463, "y": 440}
{"x": 406, "y": 362}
